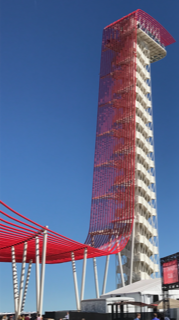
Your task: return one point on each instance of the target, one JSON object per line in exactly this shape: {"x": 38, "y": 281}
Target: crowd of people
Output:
{"x": 30, "y": 317}
{"x": 23, "y": 317}
{"x": 156, "y": 316}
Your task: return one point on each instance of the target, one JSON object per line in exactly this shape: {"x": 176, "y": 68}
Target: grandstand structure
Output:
{"x": 123, "y": 218}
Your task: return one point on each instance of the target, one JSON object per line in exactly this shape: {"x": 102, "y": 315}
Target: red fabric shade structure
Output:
{"x": 15, "y": 231}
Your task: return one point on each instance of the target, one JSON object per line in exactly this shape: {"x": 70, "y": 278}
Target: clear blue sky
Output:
{"x": 49, "y": 75}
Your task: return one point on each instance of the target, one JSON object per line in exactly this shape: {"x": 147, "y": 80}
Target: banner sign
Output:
{"x": 170, "y": 272}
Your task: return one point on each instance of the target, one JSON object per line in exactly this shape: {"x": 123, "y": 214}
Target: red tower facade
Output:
{"x": 115, "y": 182}
{"x": 112, "y": 208}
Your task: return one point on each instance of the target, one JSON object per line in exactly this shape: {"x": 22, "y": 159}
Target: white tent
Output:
{"x": 144, "y": 287}
{"x": 146, "y": 291}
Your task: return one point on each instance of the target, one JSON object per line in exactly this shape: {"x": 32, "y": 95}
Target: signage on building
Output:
{"x": 170, "y": 272}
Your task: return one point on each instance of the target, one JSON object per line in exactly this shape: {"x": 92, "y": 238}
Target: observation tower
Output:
{"x": 123, "y": 218}
{"x": 123, "y": 209}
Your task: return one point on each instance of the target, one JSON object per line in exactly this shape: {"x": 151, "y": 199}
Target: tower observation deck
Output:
{"x": 123, "y": 205}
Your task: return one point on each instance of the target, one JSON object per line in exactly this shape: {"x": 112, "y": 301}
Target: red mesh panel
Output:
{"x": 112, "y": 208}
{"x": 149, "y": 23}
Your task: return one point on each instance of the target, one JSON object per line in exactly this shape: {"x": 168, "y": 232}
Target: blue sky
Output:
{"x": 49, "y": 78}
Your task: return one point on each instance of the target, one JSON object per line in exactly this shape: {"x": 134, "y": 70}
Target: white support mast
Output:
{"x": 15, "y": 282}
{"x": 83, "y": 275}
{"x": 26, "y": 285}
{"x": 37, "y": 273}
{"x": 75, "y": 280}
{"x": 43, "y": 271}
{"x": 105, "y": 274}
{"x": 121, "y": 269}
{"x": 96, "y": 277}
{"x": 22, "y": 278}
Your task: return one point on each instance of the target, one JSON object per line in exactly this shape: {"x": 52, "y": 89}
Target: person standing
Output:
{"x": 67, "y": 316}
{"x": 155, "y": 317}
{"x": 39, "y": 317}
{"x": 138, "y": 316}
{"x": 163, "y": 317}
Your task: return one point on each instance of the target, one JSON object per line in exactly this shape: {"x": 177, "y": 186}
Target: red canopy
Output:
{"x": 15, "y": 232}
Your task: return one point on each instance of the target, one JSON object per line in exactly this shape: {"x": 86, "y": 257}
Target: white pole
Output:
{"x": 83, "y": 275}
{"x": 75, "y": 280}
{"x": 96, "y": 278}
{"x": 43, "y": 271}
{"x": 37, "y": 273}
{"x": 15, "y": 283}
{"x": 22, "y": 277}
{"x": 121, "y": 269}
{"x": 132, "y": 253}
{"x": 26, "y": 285}
{"x": 105, "y": 274}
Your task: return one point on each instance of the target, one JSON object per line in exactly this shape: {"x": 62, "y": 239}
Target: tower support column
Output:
{"x": 105, "y": 274}
{"x": 121, "y": 269}
{"x": 132, "y": 252}
{"x": 96, "y": 277}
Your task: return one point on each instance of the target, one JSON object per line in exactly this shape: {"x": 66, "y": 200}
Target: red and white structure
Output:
{"x": 25, "y": 241}
{"x": 123, "y": 217}
{"x": 124, "y": 186}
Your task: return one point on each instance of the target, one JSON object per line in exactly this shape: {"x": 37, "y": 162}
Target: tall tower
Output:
{"x": 123, "y": 210}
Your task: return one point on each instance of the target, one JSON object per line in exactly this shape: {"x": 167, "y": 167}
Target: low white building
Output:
{"x": 102, "y": 305}
{"x": 146, "y": 291}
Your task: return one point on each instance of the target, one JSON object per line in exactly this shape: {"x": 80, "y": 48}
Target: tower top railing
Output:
{"x": 149, "y": 25}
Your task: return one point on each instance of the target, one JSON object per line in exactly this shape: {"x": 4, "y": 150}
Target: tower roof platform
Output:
{"x": 151, "y": 26}
{"x": 157, "y": 51}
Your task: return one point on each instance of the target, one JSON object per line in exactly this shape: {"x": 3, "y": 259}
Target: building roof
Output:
{"x": 149, "y": 286}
